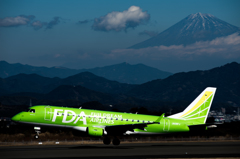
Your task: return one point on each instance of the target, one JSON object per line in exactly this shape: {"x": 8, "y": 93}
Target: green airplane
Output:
{"x": 111, "y": 124}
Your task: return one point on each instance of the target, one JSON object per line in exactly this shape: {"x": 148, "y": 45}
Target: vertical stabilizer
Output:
{"x": 197, "y": 112}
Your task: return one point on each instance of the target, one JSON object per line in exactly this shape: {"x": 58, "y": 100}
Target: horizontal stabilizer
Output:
{"x": 159, "y": 119}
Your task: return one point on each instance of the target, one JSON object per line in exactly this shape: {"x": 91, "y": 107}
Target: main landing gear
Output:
{"x": 37, "y": 131}
{"x": 107, "y": 141}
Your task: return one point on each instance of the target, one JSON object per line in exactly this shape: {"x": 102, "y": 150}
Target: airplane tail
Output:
{"x": 196, "y": 113}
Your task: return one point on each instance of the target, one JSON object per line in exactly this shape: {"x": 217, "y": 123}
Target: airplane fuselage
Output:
{"x": 81, "y": 119}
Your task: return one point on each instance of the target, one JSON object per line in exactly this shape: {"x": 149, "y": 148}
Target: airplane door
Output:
{"x": 166, "y": 125}
{"x": 48, "y": 113}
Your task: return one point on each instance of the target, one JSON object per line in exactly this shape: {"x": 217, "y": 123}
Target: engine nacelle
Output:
{"x": 94, "y": 131}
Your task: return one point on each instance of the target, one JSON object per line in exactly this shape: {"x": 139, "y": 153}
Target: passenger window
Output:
{"x": 32, "y": 110}
{"x": 133, "y": 120}
{"x": 126, "y": 119}
{"x": 143, "y": 121}
{"x": 116, "y": 118}
{"x": 138, "y": 121}
{"x": 121, "y": 119}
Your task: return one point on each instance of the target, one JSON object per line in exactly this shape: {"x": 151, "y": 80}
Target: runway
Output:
{"x": 126, "y": 150}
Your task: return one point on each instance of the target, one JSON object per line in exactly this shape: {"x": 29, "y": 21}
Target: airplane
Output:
{"x": 112, "y": 124}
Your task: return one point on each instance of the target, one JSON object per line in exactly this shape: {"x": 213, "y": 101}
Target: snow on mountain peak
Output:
{"x": 193, "y": 28}
{"x": 200, "y": 21}
{"x": 200, "y": 15}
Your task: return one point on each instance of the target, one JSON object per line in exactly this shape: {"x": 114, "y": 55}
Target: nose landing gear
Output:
{"x": 37, "y": 131}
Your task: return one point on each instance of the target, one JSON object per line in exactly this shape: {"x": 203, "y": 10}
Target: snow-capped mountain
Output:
{"x": 195, "y": 27}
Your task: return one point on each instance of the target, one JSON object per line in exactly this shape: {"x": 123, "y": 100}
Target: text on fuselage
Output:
{"x": 73, "y": 117}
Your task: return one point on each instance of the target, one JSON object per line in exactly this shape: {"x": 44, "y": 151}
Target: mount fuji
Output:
{"x": 193, "y": 28}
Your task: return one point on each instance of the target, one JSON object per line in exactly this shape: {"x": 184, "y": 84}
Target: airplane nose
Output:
{"x": 16, "y": 117}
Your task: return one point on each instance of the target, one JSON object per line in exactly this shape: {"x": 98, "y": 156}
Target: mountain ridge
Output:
{"x": 123, "y": 72}
{"x": 175, "y": 92}
{"x": 39, "y": 84}
{"x": 187, "y": 85}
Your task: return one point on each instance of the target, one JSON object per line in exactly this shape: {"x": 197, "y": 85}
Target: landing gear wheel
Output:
{"x": 116, "y": 141}
{"x": 36, "y": 136}
{"x": 106, "y": 141}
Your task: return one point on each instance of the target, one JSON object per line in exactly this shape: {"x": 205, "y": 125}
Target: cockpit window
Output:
{"x": 32, "y": 110}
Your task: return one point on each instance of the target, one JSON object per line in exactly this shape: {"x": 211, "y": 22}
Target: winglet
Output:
{"x": 159, "y": 119}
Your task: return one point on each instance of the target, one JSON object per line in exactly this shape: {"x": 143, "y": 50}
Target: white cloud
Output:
{"x": 25, "y": 20}
{"x": 118, "y": 21}
{"x": 223, "y": 47}
{"x": 15, "y": 21}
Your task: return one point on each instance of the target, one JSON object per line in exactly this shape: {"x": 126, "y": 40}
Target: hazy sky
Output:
{"x": 88, "y": 34}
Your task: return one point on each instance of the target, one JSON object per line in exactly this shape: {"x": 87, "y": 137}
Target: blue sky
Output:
{"x": 64, "y": 33}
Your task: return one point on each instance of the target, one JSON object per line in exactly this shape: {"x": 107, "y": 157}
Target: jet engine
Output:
{"x": 94, "y": 131}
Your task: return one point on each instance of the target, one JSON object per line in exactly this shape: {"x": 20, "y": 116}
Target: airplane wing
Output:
{"x": 121, "y": 129}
